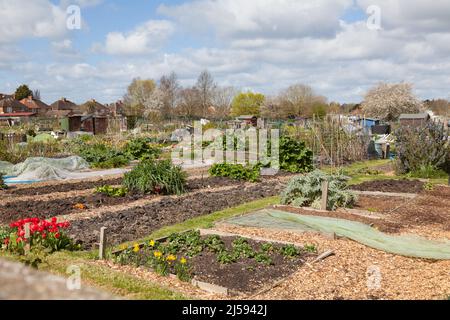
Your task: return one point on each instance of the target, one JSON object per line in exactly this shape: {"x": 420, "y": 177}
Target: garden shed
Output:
{"x": 415, "y": 119}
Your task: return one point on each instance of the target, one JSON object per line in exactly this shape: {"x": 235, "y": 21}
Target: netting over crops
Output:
{"x": 41, "y": 169}
{"x": 45, "y": 169}
{"x": 405, "y": 245}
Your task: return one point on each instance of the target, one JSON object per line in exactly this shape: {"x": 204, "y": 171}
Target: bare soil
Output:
{"x": 15, "y": 210}
{"x": 398, "y": 186}
{"x": 246, "y": 275}
{"x": 137, "y": 222}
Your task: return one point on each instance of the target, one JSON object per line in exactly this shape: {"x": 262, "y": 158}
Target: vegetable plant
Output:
{"x": 156, "y": 177}
{"x": 307, "y": 191}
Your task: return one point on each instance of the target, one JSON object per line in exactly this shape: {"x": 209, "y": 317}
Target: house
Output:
{"x": 10, "y": 105}
{"x": 116, "y": 109}
{"x": 92, "y": 107}
{"x": 63, "y": 104}
{"x": 414, "y": 119}
{"x": 36, "y": 106}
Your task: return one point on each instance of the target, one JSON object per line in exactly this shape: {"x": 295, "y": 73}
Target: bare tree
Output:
{"x": 388, "y": 101}
{"x": 189, "y": 104}
{"x": 205, "y": 86}
{"x": 440, "y": 107}
{"x": 170, "y": 88}
{"x": 222, "y": 98}
{"x": 298, "y": 100}
{"x": 37, "y": 95}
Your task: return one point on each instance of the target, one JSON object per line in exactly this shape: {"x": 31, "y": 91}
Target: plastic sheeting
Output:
{"x": 405, "y": 245}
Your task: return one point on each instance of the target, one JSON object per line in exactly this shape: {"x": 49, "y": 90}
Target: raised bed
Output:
{"x": 15, "y": 210}
{"x": 137, "y": 222}
{"x": 396, "y": 186}
{"x": 255, "y": 264}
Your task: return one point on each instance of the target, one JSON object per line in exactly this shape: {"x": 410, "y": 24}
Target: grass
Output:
{"x": 128, "y": 286}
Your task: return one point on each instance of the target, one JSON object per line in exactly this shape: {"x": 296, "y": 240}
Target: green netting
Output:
{"x": 405, "y": 245}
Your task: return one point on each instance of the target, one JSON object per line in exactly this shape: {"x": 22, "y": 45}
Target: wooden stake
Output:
{"x": 324, "y": 203}
{"x": 102, "y": 244}
{"x": 27, "y": 238}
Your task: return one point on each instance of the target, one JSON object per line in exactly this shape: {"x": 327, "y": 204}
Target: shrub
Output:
{"x": 295, "y": 157}
{"x": 422, "y": 150}
{"x": 158, "y": 177}
{"x": 307, "y": 191}
{"x": 140, "y": 149}
{"x": 236, "y": 171}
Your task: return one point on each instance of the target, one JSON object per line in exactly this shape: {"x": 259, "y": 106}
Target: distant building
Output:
{"x": 414, "y": 119}
{"x": 10, "y": 105}
{"x": 63, "y": 104}
{"x": 36, "y": 106}
{"x": 249, "y": 120}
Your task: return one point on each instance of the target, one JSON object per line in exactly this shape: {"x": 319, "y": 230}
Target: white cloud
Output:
{"x": 263, "y": 18}
{"x": 146, "y": 38}
{"x": 38, "y": 18}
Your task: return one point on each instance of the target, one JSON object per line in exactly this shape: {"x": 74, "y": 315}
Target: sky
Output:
{"x": 340, "y": 48}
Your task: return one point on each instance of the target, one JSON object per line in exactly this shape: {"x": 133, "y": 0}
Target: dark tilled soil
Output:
{"x": 246, "y": 275}
{"x": 139, "y": 222}
{"x": 16, "y": 210}
{"x": 62, "y": 187}
{"x": 399, "y": 186}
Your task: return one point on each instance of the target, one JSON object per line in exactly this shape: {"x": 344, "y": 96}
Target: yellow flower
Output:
{"x": 152, "y": 243}
{"x": 183, "y": 261}
{"x": 157, "y": 254}
{"x": 171, "y": 258}
{"x": 136, "y": 247}
{"x": 123, "y": 247}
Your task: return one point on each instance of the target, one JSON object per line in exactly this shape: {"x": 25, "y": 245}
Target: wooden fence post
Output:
{"x": 324, "y": 202}
{"x": 27, "y": 238}
{"x": 102, "y": 244}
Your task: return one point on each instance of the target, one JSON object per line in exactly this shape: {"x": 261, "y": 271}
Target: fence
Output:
{"x": 13, "y": 138}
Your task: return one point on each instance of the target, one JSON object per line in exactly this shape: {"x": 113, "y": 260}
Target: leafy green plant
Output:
{"x": 214, "y": 243}
{"x": 141, "y": 149}
{"x": 112, "y": 191}
{"x": 102, "y": 156}
{"x": 289, "y": 251}
{"x": 157, "y": 177}
{"x": 307, "y": 191}
{"x": 236, "y": 171}
{"x": 295, "y": 157}
{"x": 427, "y": 172}
{"x": 226, "y": 257}
{"x": 241, "y": 248}
{"x": 263, "y": 258}
{"x": 310, "y": 248}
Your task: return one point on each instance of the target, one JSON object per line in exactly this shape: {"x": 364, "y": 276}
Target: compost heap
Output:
{"x": 43, "y": 169}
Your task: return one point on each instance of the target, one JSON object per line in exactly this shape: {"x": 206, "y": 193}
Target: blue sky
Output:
{"x": 259, "y": 45}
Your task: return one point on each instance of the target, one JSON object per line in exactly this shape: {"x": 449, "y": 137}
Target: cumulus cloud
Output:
{"x": 146, "y": 38}
{"x": 263, "y": 18}
{"x": 39, "y": 18}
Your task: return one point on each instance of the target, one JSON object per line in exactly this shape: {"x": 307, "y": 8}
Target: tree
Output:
{"x": 37, "y": 95}
{"x": 170, "y": 88}
{"x": 23, "y": 92}
{"x": 388, "y": 101}
{"x": 221, "y": 100}
{"x": 142, "y": 98}
{"x": 247, "y": 104}
{"x": 205, "y": 86}
{"x": 299, "y": 100}
{"x": 189, "y": 105}
{"x": 440, "y": 107}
